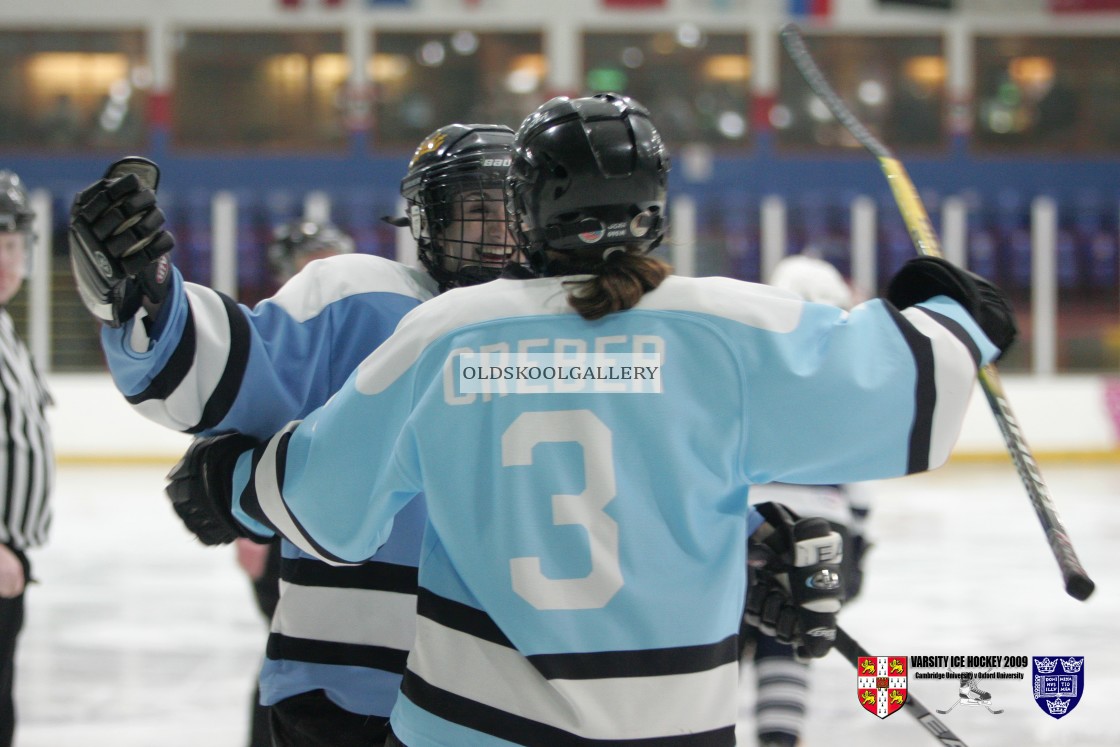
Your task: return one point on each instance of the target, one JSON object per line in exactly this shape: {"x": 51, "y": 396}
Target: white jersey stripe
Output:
{"x": 608, "y": 708}
{"x": 336, "y": 615}
{"x": 321, "y": 284}
{"x": 272, "y": 504}
{"x": 955, "y": 369}
{"x": 183, "y": 408}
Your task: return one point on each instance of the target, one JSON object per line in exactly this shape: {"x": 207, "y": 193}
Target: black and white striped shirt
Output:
{"x": 26, "y": 453}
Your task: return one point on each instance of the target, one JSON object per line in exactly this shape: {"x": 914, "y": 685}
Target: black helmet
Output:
{"x": 15, "y": 208}
{"x": 302, "y": 237}
{"x": 456, "y": 206}
{"x": 587, "y": 172}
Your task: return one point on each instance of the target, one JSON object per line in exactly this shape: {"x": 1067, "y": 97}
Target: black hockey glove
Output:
{"x": 118, "y": 246}
{"x": 794, "y": 590}
{"x": 855, "y": 548}
{"x": 925, "y": 277}
{"x": 201, "y": 491}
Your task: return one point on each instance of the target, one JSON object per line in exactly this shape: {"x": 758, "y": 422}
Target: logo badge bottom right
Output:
{"x": 1058, "y": 683}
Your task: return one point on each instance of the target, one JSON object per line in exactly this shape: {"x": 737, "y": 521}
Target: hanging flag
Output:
{"x": 810, "y": 8}
{"x": 633, "y": 4}
{"x": 1084, "y": 6}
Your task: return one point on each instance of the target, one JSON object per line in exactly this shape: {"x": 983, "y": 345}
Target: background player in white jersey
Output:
{"x": 294, "y": 245}
{"x": 26, "y": 452}
{"x": 583, "y": 570}
{"x": 782, "y": 679}
{"x": 340, "y": 635}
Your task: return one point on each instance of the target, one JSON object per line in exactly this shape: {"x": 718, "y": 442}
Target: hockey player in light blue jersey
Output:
{"x": 585, "y": 442}
{"x": 339, "y": 638}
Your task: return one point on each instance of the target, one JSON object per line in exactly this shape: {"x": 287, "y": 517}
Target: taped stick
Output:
{"x": 851, "y": 651}
{"x": 1077, "y": 582}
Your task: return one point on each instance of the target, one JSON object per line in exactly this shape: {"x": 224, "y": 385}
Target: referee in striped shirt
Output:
{"x": 26, "y": 456}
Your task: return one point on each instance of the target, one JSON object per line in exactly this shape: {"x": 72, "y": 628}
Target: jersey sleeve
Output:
{"x": 214, "y": 365}
{"x": 361, "y": 445}
{"x": 872, "y": 394}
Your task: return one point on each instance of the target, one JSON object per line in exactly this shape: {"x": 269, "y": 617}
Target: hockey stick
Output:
{"x": 1077, "y": 582}
{"x": 851, "y": 651}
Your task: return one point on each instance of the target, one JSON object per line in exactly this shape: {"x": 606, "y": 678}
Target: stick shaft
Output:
{"x": 914, "y": 215}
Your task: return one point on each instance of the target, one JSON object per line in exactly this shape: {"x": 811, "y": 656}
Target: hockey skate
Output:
{"x": 971, "y": 694}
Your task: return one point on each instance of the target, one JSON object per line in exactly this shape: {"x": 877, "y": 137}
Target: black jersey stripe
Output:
{"x": 371, "y": 575}
{"x": 925, "y": 392}
{"x": 224, "y": 394}
{"x": 250, "y": 501}
{"x": 291, "y": 648}
{"x": 524, "y": 731}
{"x": 585, "y": 665}
{"x": 10, "y": 448}
{"x": 34, "y": 470}
{"x": 958, "y": 331}
{"x": 251, "y": 504}
{"x": 459, "y": 616}
{"x": 175, "y": 370}
{"x": 644, "y": 663}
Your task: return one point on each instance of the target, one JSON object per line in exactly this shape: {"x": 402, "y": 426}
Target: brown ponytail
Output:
{"x": 618, "y": 282}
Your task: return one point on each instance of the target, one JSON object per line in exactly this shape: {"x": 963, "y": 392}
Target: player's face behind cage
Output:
{"x": 469, "y": 238}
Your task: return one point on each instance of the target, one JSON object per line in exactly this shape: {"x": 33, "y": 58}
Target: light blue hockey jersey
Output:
{"x": 583, "y": 569}
{"x": 213, "y": 365}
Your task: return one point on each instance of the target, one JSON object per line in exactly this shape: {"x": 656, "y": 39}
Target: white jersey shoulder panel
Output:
{"x": 326, "y": 281}
{"x": 752, "y": 304}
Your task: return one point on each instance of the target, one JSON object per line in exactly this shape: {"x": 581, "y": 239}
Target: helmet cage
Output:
{"x": 456, "y": 204}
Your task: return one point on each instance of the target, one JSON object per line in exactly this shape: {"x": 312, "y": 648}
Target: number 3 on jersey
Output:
{"x": 586, "y": 509}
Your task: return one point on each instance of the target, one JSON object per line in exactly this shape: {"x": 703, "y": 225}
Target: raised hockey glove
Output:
{"x": 794, "y": 590}
{"x": 925, "y": 277}
{"x": 201, "y": 491}
{"x": 118, "y": 246}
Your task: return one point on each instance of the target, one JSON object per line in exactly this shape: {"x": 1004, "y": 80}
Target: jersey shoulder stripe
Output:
{"x": 747, "y": 303}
